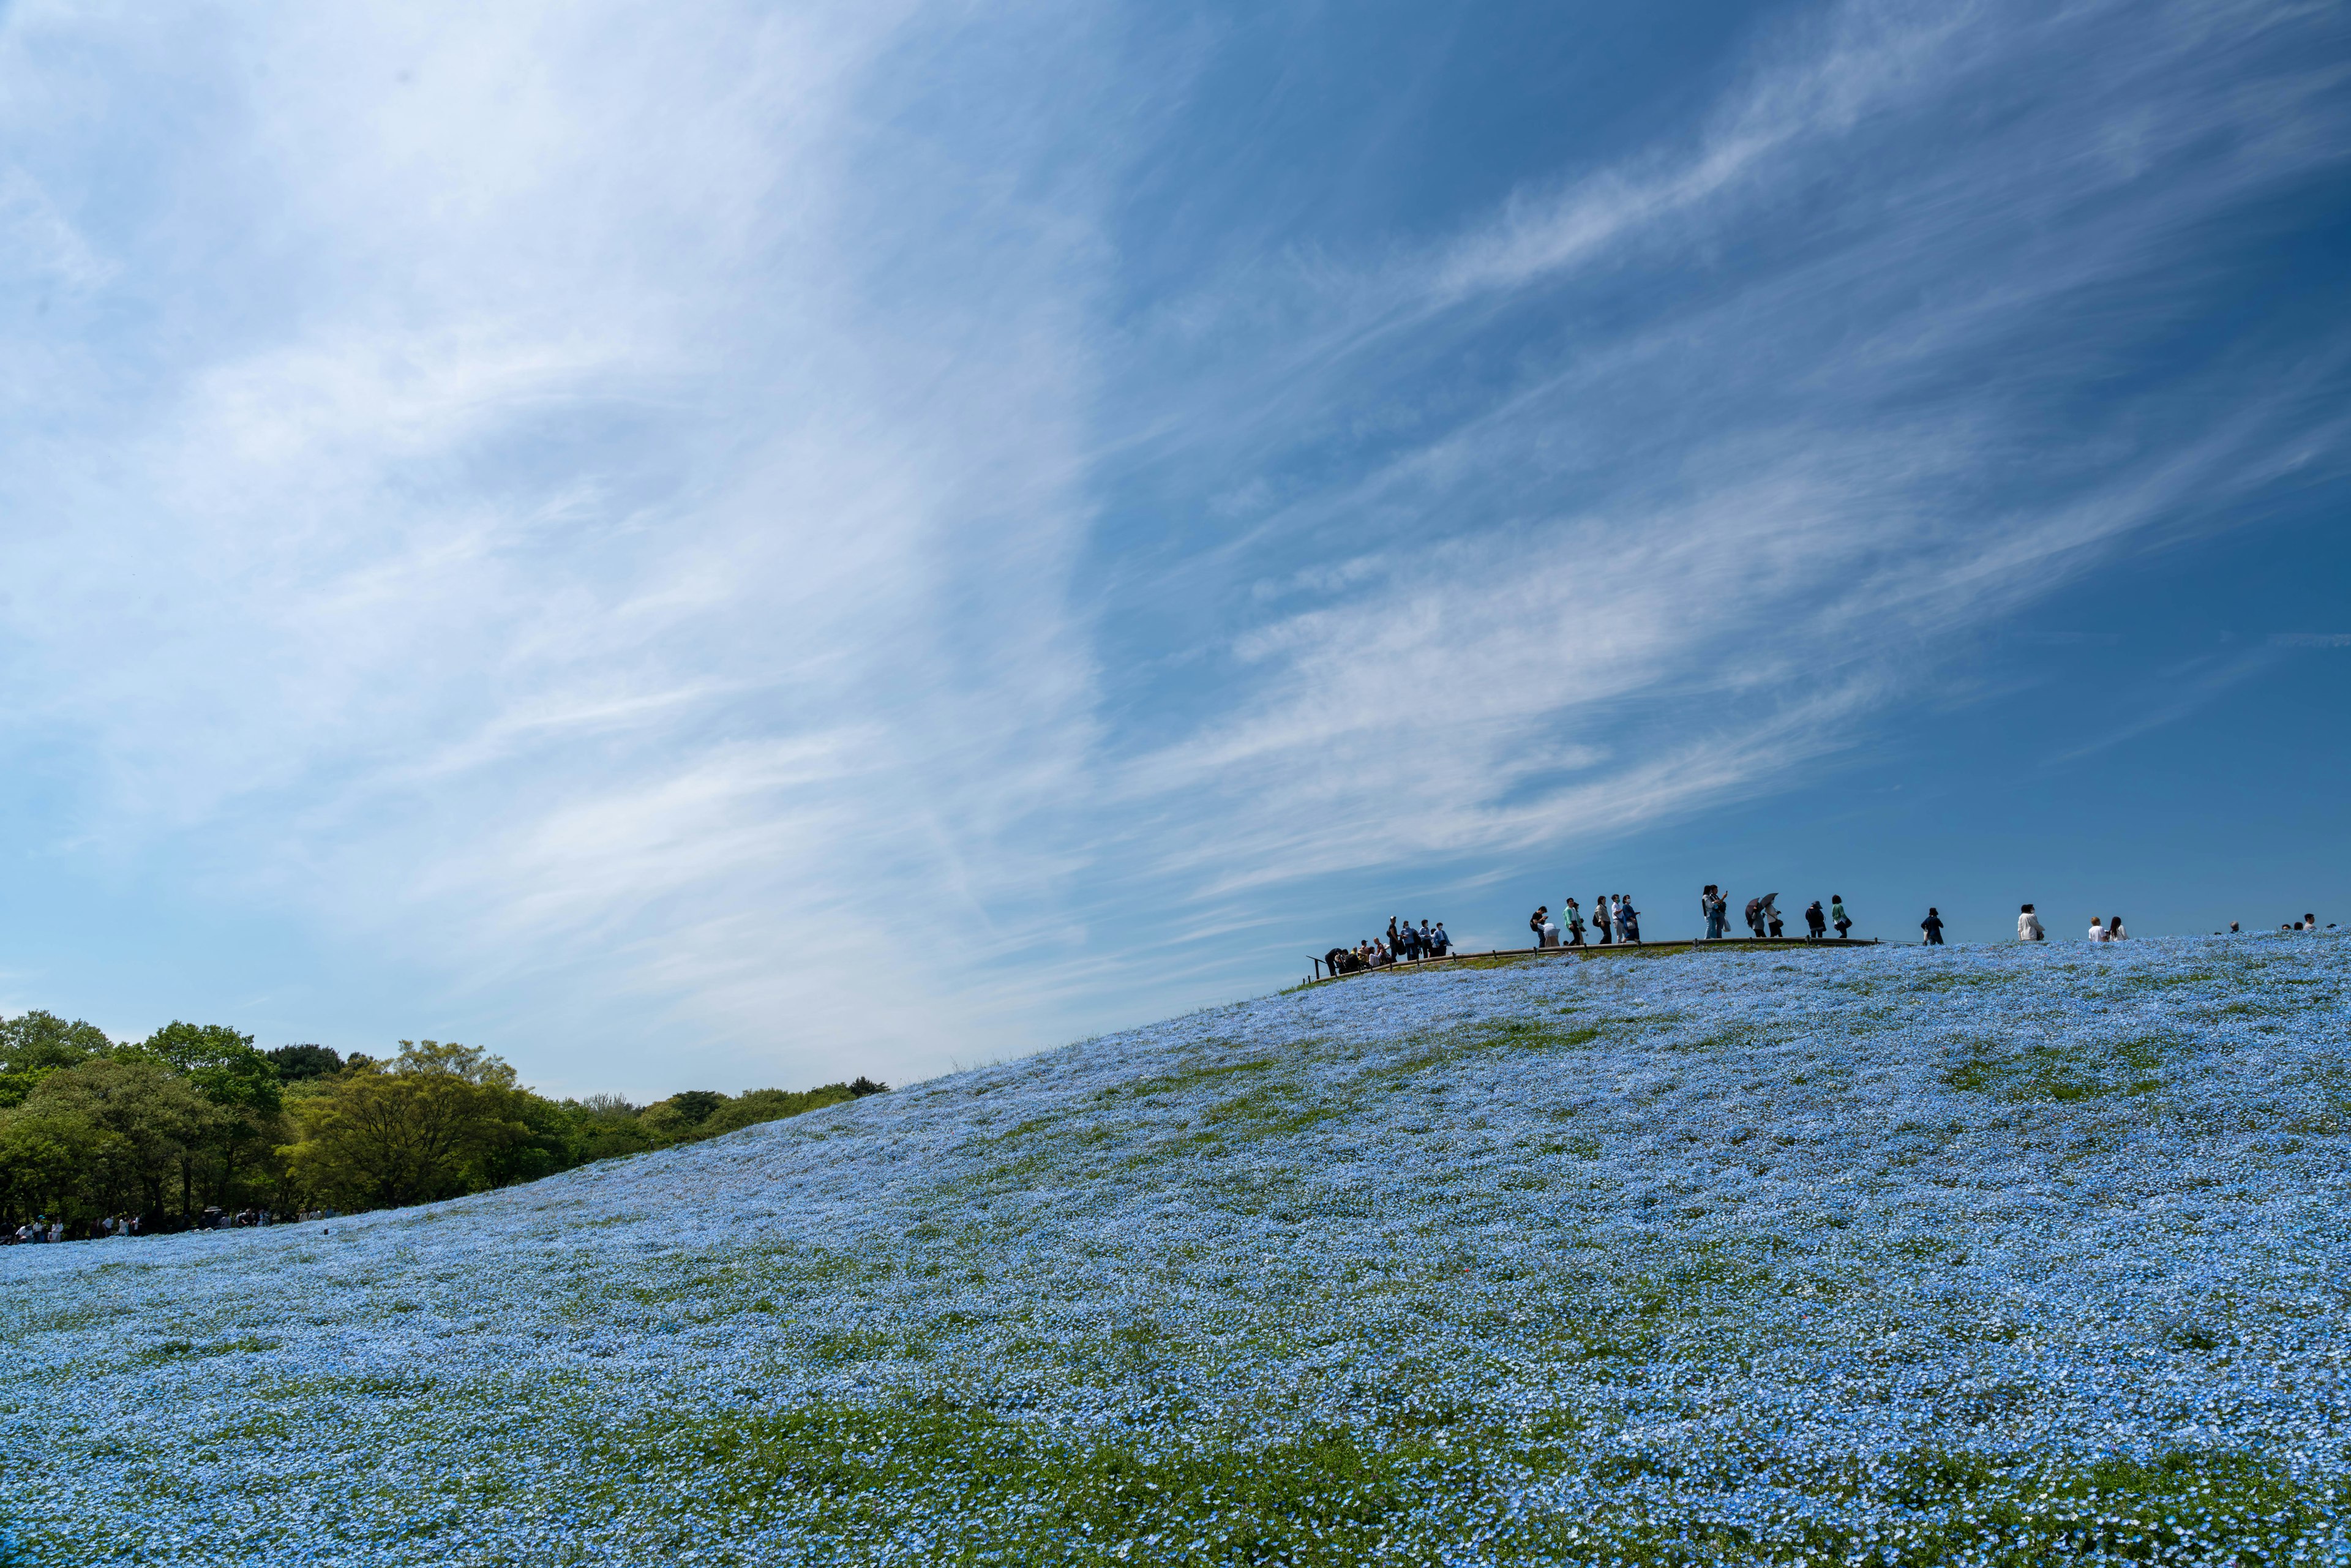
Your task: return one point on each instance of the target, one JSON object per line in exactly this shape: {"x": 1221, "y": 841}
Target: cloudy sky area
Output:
{"x": 699, "y": 545}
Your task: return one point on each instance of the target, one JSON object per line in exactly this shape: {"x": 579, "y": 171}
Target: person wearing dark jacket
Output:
{"x": 1933, "y": 926}
{"x": 1755, "y": 917}
{"x": 1816, "y": 924}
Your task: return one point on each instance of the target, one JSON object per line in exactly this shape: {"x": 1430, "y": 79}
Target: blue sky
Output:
{"x": 708, "y": 545}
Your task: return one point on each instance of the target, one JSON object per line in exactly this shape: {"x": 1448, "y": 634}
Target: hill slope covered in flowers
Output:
{"x": 1917, "y": 1256}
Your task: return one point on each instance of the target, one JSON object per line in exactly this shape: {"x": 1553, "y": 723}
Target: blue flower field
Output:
{"x": 2013, "y": 1255}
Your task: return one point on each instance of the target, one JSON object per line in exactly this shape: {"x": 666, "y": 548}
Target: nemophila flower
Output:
{"x": 1916, "y": 1256}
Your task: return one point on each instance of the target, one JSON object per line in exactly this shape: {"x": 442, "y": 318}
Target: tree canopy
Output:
{"x": 194, "y": 1117}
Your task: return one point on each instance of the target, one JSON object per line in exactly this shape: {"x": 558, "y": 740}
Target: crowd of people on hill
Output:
{"x": 1403, "y": 944}
{"x": 41, "y": 1228}
{"x": 1615, "y": 922}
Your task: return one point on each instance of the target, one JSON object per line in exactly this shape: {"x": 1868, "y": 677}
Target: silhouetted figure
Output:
{"x": 1933, "y": 926}
{"x": 1816, "y": 924}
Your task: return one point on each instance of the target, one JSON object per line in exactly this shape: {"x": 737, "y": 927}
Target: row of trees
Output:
{"x": 194, "y": 1118}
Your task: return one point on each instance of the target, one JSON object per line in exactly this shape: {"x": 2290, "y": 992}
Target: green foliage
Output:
{"x": 300, "y": 1063}
{"x": 114, "y": 1129}
{"x": 35, "y": 1044}
{"x": 439, "y": 1121}
{"x": 194, "y": 1116}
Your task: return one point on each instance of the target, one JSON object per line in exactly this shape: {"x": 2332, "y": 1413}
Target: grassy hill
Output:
{"x": 1919, "y": 1255}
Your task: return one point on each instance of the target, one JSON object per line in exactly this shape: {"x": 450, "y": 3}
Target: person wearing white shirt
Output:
{"x": 2097, "y": 932}
{"x": 2028, "y": 926}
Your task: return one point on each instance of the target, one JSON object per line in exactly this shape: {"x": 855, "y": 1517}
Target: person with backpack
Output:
{"x": 1816, "y": 924}
{"x": 1839, "y": 918}
{"x": 1599, "y": 918}
{"x": 1933, "y": 926}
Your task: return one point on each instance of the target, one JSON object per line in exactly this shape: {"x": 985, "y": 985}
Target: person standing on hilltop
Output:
{"x": 1574, "y": 922}
{"x": 1816, "y": 924}
{"x": 1599, "y": 918}
{"x": 1628, "y": 919}
{"x": 2097, "y": 932}
{"x": 1933, "y": 926}
{"x": 1393, "y": 942}
{"x": 2028, "y": 926}
{"x": 2115, "y": 929}
{"x": 1755, "y": 918}
{"x": 1535, "y": 922}
{"x": 1839, "y": 918}
{"x": 1440, "y": 943}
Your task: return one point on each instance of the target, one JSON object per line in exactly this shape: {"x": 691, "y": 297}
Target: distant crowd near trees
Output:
{"x": 194, "y": 1123}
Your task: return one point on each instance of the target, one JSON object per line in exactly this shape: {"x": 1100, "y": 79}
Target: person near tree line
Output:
{"x": 1838, "y": 918}
{"x": 1933, "y": 926}
{"x": 2028, "y": 926}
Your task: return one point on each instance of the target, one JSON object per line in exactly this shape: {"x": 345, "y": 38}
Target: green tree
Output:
{"x": 34, "y": 1044}
{"x": 222, "y": 1065}
{"x": 295, "y": 1063}
{"x": 431, "y": 1123}
{"x": 106, "y": 1135}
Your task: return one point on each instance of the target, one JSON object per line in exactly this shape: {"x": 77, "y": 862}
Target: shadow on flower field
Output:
{"x": 1868, "y": 1256}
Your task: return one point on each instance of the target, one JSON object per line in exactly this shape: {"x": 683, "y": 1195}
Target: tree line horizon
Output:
{"x": 195, "y": 1119}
